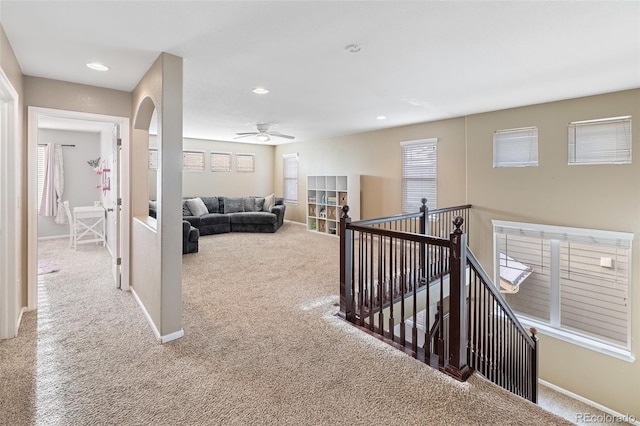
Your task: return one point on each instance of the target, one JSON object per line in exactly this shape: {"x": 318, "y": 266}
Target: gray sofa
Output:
{"x": 216, "y": 215}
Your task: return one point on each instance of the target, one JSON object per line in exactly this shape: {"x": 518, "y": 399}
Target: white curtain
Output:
{"x": 51, "y": 203}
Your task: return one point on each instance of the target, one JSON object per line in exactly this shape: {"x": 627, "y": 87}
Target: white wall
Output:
{"x": 80, "y": 181}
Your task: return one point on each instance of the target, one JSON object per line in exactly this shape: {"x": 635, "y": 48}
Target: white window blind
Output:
{"x": 419, "y": 174}
{"x": 605, "y": 141}
{"x": 290, "y": 175}
{"x": 220, "y": 161}
{"x": 41, "y": 152}
{"x": 153, "y": 159}
{"x": 515, "y": 147}
{"x": 580, "y": 279}
{"x": 245, "y": 163}
{"x": 193, "y": 161}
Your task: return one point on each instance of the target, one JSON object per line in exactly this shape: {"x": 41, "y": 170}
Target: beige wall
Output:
{"x": 376, "y": 157}
{"x": 156, "y": 257}
{"x": 598, "y": 196}
{"x": 228, "y": 184}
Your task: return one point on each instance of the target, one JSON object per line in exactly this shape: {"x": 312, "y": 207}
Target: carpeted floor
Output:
{"x": 262, "y": 346}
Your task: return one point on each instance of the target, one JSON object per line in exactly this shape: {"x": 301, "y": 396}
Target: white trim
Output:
{"x": 623, "y": 417}
{"x": 161, "y": 339}
{"x": 172, "y": 336}
{"x": 11, "y": 259}
{"x": 582, "y": 232}
{"x": 575, "y": 339}
{"x": 419, "y": 141}
{"x": 53, "y": 237}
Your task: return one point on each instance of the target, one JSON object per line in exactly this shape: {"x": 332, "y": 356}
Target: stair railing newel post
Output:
{"x": 534, "y": 365}
{"x": 346, "y": 267}
{"x": 457, "y": 365}
{"x": 424, "y": 220}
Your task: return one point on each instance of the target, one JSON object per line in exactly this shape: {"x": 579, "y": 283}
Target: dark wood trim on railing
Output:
{"x": 458, "y": 366}
{"x": 449, "y": 209}
{"x": 346, "y": 267}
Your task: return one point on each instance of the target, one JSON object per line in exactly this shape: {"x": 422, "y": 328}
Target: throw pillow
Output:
{"x": 233, "y": 205}
{"x": 259, "y": 204}
{"x": 197, "y": 207}
{"x": 269, "y": 202}
{"x": 185, "y": 209}
{"x": 211, "y": 203}
{"x": 249, "y": 204}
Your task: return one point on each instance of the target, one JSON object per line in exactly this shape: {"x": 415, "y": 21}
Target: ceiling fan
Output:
{"x": 263, "y": 134}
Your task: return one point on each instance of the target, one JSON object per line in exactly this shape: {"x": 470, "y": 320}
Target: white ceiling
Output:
{"x": 419, "y": 60}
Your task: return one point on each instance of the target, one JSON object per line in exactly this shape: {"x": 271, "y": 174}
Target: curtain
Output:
{"x": 53, "y": 187}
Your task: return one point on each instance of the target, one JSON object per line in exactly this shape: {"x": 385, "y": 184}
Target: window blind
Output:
{"x": 245, "y": 163}
{"x": 220, "y": 161}
{"x": 604, "y": 141}
{"x": 586, "y": 293}
{"x": 41, "y": 150}
{"x": 193, "y": 161}
{"x": 290, "y": 174}
{"x": 515, "y": 147}
{"x": 419, "y": 174}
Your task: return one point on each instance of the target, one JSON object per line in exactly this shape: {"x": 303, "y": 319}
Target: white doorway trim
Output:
{"x": 10, "y": 210}
{"x": 32, "y": 185}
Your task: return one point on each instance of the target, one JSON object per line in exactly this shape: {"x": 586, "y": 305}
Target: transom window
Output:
{"x": 604, "y": 141}
{"x": 515, "y": 147}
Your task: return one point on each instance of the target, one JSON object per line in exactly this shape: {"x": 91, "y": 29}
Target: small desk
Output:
{"x": 88, "y": 223}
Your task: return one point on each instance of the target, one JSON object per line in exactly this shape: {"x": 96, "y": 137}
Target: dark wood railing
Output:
{"x": 427, "y": 295}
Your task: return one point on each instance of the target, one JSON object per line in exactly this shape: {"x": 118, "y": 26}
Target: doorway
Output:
{"x": 108, "y": 180}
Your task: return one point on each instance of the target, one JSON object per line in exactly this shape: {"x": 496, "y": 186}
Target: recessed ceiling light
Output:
{"x": 381, "y": 117}
{"x": 97, "y": 66}
{"x": 260, "y": 90}
{"x": 352, "y": 48}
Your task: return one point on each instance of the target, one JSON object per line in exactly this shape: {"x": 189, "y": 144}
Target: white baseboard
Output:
{"x": 625, "y": 417}
{"x": 162, "y": 339}
{"x": 53, "y": 237}
{"x": 22, "y": 311}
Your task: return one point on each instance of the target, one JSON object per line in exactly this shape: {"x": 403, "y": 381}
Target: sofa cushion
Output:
{"x": 269, "y": 202}
{"x": 249, "y": 204}
{"x": 214, "y": 219}
{"x": 197, "y": 207}
{"x": 257, "y": 218}
{"x": 259, "y": 204}
{"x": 233, "y": 205}
{"x": 212, "y": 203}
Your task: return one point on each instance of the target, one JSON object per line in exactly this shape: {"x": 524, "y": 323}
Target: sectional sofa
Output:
{"x": 217, "y": 215}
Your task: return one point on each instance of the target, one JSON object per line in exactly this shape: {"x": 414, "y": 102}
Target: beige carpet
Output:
{"x": 262, "y": 346}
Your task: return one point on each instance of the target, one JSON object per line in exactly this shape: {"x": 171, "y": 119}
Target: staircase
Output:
{"x": 405, "y": 281}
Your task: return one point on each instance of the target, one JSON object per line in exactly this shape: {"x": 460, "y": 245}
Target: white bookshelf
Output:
{"x": 326, "y": 195}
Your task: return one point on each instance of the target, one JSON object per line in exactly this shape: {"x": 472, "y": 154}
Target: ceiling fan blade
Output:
{"x": 244, "y": 135}
{"x": 247, "y": 133}
{"x": 280, "y": 135}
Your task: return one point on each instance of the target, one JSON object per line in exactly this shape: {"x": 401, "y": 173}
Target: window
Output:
{"x": 579, "y": 285}
{"x": 220, "y": 161}
{"x": 153, "y": 159}
{"x": 193, "y": 161}
{"x": 419, "y": 174}
{"x": 515, "y": 147}
{"x": 290, "y": 175}
{"x": 245, "y": 163}
{"x": 605, "y": 141}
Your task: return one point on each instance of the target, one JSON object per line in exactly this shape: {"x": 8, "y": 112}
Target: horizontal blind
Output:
{"x": 515, "y": 147}
{"x": 153, "y": 159}
{"x": 41, "y": 151}
{"x": 220, "y": 161}
{"x": 419, "y": 174}
{"x": 290, "y": 173}
{"x": 245, "y": 163}
{"x": 594, "y": 299}
{"x": 605, "y": 141}
{"x": 193, "y": 161}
